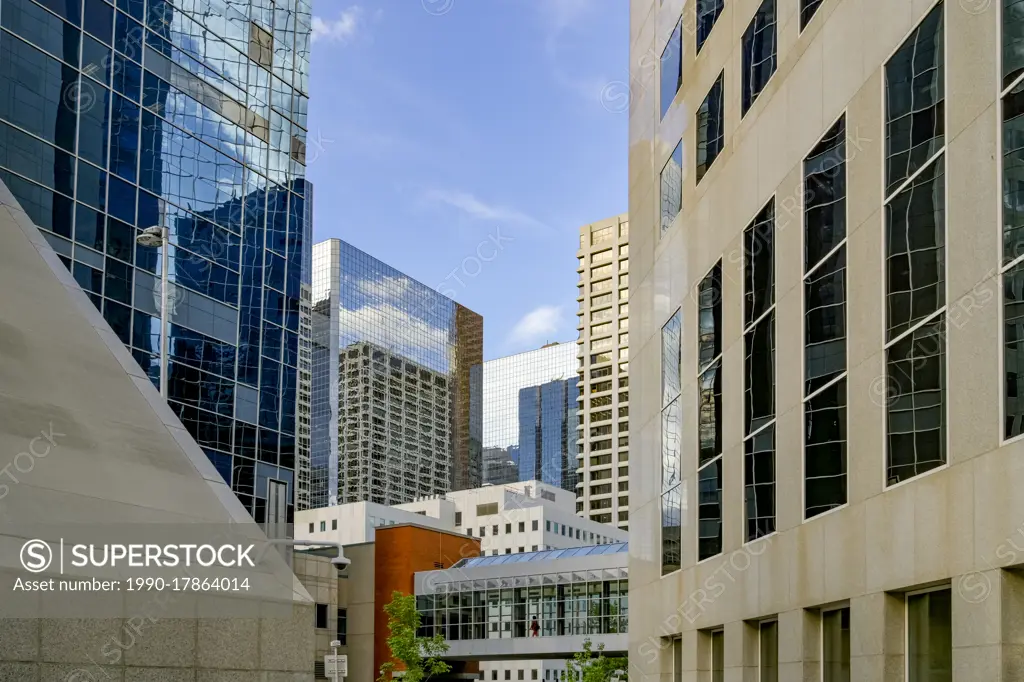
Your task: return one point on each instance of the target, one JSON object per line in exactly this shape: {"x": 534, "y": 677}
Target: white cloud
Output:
{"x": 480, "y": 210}
{"x": 338, "y": 30}
{"x": 540, "y": 324}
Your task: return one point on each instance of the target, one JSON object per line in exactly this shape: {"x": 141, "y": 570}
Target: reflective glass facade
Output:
{"x": 392, "y": 384}
{"x": 191, "y": 115}
{"x": 529, "y": 417}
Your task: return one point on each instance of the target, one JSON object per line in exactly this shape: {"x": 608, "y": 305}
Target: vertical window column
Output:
{"x": 825, "y": 464}
{"x": 671, "y": 424}
{"x": 915, "y": 233}
{"x": 1012, "y": 98}
{"x": 709, "y": 418}
{"x": 759, "y": 377}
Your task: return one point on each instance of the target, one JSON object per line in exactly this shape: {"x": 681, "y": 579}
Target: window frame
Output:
{"x": 750, "y": 328}
{"x": 702, "y": 369}
{"x": 807, "y": 272}
{"x": 1005, "y": 266}
{"x": 940, "y": 315}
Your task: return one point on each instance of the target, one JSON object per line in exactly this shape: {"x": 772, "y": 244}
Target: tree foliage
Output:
{"x": 419, "y": 655}
{"x": 591, "y": 666}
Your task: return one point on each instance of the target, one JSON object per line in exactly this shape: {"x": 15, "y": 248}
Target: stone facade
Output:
{"x": 954, "y": 527}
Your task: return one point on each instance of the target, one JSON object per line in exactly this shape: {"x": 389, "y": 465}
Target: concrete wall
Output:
{"x": 122, "y": 457}
{"x": 945, "y": 527}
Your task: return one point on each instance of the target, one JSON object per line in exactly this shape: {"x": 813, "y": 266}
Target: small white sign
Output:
{"x": 336, "y": 663}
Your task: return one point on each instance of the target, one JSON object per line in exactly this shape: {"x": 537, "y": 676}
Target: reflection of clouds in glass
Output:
{"x": 390, "y": 288}
{"x": 389, "y": 326}
{"x": 381, "y": 305}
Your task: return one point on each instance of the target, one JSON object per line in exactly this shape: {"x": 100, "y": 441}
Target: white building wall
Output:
{"x": 522, "y": 517}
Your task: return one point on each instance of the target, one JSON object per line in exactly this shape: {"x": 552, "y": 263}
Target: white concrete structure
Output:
{"x": 509, "y": 519}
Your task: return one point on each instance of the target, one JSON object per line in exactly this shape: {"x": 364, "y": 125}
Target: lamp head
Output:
{"x": 151, "y": 236}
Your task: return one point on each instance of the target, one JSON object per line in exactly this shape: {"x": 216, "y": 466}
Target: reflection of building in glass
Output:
{"x": 529, "y": 417}
{"x": 603, "y": 426}
{"x": 208, "y": 139}
{"x": 392, "y": 418}
{"x": 501, "y": 465}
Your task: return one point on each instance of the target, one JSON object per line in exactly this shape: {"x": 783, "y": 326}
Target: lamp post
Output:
{"x": 156, "y": 237}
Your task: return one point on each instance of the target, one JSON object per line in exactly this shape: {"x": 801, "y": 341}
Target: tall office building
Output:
{"x": 828, "y": 317}
{"x": 529, "y": 417}
{"x": 603, "y": 350}
{"x": 164, "y": 113}
{"x": 392, "y": 383}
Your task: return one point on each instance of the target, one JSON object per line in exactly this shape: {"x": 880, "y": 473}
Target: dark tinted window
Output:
{"x": 759, "y": 267}
{"x": 708, "y": 12}
{"x": 825, "y": 195}
{"x": 825, "y": 322}
{"x": 760, "y": 374}
{"x": 1013, "y": 40}
{"x": 914, "y": 101}
{"x": 709, "y": 423}
{"x": 710, "y": 127}
{"x": 825, "y": 463}
{"x": 1013, "y": 351}
{"x": 69, "y": 9}
{"x": 807, "y": 10}
{"x": 759, "y": 483}
{"x": 709, "y": 510}
{"x": 1013, "y": 174}
{"x": 99, "y": 19}
{"x": 915, "y": 396}
{"x": 759, "y": 58}
{"x": 39, "y": 27}
{"x": 670, "y": 531}
{"x": 915, "y": 251}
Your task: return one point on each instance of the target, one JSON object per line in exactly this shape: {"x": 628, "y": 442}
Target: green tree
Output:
{"x": 590, "y": 666}
{"x": 419, "y": 655}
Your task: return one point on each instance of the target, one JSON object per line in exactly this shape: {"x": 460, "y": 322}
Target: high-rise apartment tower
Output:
{"x": 602, "y": 431}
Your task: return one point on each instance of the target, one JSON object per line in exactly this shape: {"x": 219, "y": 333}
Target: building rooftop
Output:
{"x": 546, "y": 555}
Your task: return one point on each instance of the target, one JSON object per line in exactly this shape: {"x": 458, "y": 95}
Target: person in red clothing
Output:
{"x": 534, "y": 627}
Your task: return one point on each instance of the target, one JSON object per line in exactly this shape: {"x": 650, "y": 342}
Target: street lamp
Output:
{"x": 156, "y": 237}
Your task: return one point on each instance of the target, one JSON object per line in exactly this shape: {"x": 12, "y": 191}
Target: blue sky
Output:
{"x": 470, "y": 136}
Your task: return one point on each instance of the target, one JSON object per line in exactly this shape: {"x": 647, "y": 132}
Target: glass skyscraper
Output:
{"x": 188, "y": 114}
{"x": 393, "y": 413}
{"x": 529, "y": 417}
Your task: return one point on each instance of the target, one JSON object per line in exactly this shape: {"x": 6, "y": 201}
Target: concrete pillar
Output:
{"x": 877, "y": 649}
{"x": 988, "y": 626}
{"x": 690, "y": 644}
{"x": 740, "y": 652}
{"x": 799, "y": 646}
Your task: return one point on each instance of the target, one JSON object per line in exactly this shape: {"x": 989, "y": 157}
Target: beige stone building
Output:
{"x": 825, "y": 314}
{"x": 603, "y": 350}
